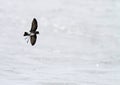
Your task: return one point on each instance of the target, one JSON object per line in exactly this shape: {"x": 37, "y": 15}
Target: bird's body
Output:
{"x": 33, "y": 33}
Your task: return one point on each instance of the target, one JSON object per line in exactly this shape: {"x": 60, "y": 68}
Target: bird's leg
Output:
{"x": 27, "y": 39}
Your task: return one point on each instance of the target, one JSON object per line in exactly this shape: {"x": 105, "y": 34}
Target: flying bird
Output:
{"x": 33, "y": 33}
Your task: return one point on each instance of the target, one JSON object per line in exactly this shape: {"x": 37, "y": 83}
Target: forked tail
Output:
{"x": 26, "y": 34}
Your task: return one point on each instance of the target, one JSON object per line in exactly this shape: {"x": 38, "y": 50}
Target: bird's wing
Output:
{"x": 33, "y": 39}
{"x": 34, "y": 25}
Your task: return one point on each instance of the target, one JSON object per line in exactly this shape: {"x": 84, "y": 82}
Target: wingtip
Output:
{"x": 34, "y": 19}
{"x": 32, "y": 44}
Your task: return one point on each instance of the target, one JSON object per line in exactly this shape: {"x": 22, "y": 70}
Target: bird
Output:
{"x": 33, "y": 33}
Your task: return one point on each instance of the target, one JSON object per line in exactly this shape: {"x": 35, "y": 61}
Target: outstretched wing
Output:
{"x": 34, "y": 25}
{"x": 33, "y": 39}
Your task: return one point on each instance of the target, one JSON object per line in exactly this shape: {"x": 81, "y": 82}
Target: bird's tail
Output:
{"x": 26, "y": 34}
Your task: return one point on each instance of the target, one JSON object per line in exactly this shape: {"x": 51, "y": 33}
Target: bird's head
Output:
{"x": 37, "y": 32}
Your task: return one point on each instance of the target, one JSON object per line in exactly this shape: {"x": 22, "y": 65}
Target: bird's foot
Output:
{"x": 27, "y": 39}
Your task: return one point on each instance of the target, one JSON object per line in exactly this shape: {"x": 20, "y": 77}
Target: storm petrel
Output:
{"x": 33, "y": 33}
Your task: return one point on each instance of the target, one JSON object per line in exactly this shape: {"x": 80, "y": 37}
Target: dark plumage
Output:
{"x": 33, "y": 33}
{"x": 34, "y": 25}
{"x": 26, "y": 34}
{"x": 33, "y": 39}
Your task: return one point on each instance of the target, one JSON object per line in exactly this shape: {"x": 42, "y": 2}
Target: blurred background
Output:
{"x": 79, "y": 42}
